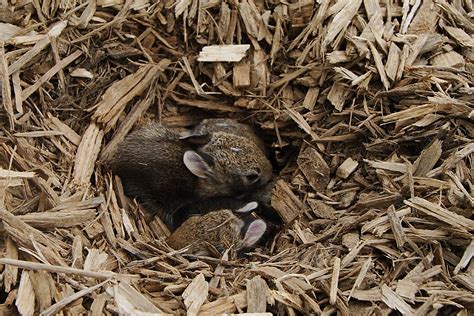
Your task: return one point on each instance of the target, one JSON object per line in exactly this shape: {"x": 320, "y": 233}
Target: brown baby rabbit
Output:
{"x": 166, "y": 171}
{"x": 218, "y": 230}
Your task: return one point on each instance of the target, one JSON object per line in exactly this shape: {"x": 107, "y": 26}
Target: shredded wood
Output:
{"x": 366, "y": 108}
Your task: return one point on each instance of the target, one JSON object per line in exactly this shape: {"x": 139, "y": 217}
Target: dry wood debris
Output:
{"x": 367, "y": 108}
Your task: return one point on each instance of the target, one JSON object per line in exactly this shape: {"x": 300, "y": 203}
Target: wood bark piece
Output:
{"x": 241, "y": 75}
{"x": 257, "y": 291}
{"x": 195, "y": 294}
{"x": 114, "y": 100}
{"x": 315, "y": 168}
{"x": 441, "y": 213}
{"x": 87, "y": 154}
{"x": 223, "y": 53}
{"x": 285, "y": 202}
{"x": 26, "y": 296}
{"x": 397, "y": 229}
{"x": 346, "y": 168}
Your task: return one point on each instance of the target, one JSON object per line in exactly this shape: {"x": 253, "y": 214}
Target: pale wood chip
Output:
{"x": 427, "y": 158}
{"x": 393, "y": 300}
{"x": 223, "y": 53}
{"x": 361, "y": 276}
{"x": 250, "y": 17}
{"x": 396, "y": 225}
{"x": 82, "y": 73}
{"x": 353, "y": 253}
{"x": 257, "y": 291}
{"x": 303, "y": 124}
{"x": 347, "y": 168}
{"x": 64, "y": 269}
{"x": 393, "y": 61}
{"x": 39, "y": 134}
{"x": 296, "y": 284}
{"x": 5, "y": 86}
{"x": 379, "y": 66}
{"x": 467, "y": 280}
{"x": 450, "y": 59}
{"x": 407, "y": 289}
{"x": 117, "y": 96}
{"x": 8, "y": 30}
{"x": 452, "y": 160}
{"x": 95, "y": 260}
{"x": 466, "y": 258}
{"x": 64, "y": 218}
{"x": 370, "y": 295}
{"x": 391, "y": 166}
{"x": 87, "y": 154}
{"x": 342, "y": 19}
{"x": 338, "y": 95}
{"x": 441, "y": 213}
{"x": 285, "y": 202}
{"x": 10, "y": 273}
{"x": 416, "y": 49}
{"x": 10, "y": 174}
{"x": 241, "y": 75}
{"x": 55, "y": 308}
{"x": 68, "y": 132}
{"x": 224, "y": 304}
{"x": 459, "y": 17}
{"x": 130, "y": 301}
{"x": 460, "y": 36}
{"x": 18, "y": 91}
{"x": 97, "y": 306}
{"x": 23, "y": 234}
{"x": 321, "y": 209}
{"x": 54, "y": 31}
{"x": 25, "y": 301}
{"x": 288, "y": 299}
{"x": 426, "y": 18}
{"x": 334, "y": 280}
{"x": 41, "y": 282}
{"x": 195, "y": 294}
{"x": 377, "y": 222}
{"x": 48, "y": 75}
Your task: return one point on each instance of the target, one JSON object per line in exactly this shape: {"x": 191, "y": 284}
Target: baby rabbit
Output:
{"x": 165, "y": 171}
{"x": 218, "y": 230}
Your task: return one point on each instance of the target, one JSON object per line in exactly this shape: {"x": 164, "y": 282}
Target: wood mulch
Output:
{"x": 366, "y": 106}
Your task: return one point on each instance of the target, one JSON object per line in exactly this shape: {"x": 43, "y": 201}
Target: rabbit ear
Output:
{"x": 196, "y": 164}
{"x": 254, "y": 232}
{"x": 247, "y": 207}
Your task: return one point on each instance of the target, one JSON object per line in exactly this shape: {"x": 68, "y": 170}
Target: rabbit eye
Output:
{"x": 252, "y": 177}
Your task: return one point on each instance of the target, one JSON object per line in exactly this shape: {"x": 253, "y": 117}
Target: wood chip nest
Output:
{"x": 368, "y": 109}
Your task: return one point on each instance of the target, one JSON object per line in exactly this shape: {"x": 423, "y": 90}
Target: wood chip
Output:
{"x": 346, "y": 168}
{"x": 195, "y": 294}
{"x": 256, "y": 295}
{"x": 315, "y": 168}
{"x": 393, "y": 300}
{"x": 223, "y": 53}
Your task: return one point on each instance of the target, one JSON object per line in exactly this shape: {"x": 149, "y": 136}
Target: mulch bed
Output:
{"x": 366, "y": 107}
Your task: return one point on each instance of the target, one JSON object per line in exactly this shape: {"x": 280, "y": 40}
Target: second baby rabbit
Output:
{"x": 220, "y": 230}
{"x": 165, "y": 170}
